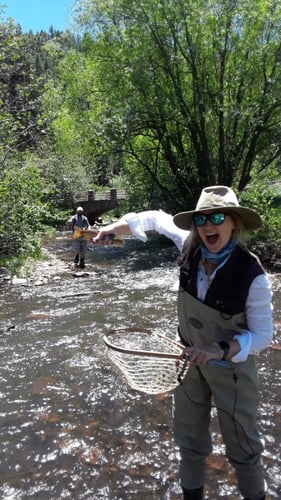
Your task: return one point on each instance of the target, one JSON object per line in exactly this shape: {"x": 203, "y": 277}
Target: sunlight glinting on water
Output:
{"x": 71, "y": 427}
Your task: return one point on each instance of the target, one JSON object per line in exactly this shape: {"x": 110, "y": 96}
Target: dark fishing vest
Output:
{"x": 229, "y": 289}
{"x": 222, "y": 315}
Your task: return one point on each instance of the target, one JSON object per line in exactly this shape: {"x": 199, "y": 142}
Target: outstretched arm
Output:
{"x": 116, "y": 228}
{"x": 137, "y": 224}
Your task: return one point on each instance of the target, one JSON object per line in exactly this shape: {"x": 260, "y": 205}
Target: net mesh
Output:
{"x": 148, "y": 360}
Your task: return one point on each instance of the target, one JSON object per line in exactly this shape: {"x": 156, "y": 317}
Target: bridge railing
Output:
{"x": 112, "y": 194}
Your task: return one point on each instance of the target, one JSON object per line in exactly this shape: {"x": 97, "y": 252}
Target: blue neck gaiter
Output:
{"x": 221, "y": 255}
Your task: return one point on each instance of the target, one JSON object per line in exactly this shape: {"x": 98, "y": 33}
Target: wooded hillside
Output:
{"x": 158, "y": 99}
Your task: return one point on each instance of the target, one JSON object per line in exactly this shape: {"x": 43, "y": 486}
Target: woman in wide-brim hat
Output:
{"x": 220, "y": 198}
{"x": 224, "y": 312}
{"x": 222, "y": 202}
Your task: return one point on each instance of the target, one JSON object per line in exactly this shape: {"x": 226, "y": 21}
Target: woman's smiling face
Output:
{"x": 215, "y": 237}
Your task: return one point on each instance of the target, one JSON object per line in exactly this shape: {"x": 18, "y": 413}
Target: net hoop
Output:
{"x": 140, "y": 352}
{"x": 155, "y": 367}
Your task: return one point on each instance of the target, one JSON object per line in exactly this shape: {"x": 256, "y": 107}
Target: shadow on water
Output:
{"x": 71, "y": 428}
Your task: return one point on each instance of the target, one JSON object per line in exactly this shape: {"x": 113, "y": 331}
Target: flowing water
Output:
{"x": 71, "y": 427}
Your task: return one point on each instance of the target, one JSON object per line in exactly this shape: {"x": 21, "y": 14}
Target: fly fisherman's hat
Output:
{"x": 219, "y": 199}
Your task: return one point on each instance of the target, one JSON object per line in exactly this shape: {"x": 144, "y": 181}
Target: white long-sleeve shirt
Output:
{"x": 258, "y": 309}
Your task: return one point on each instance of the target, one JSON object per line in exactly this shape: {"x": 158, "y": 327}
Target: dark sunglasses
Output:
{"x": 216, "y": 218}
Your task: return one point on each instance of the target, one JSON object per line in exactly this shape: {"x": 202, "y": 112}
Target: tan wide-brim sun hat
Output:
{"x": 219, "y": 198}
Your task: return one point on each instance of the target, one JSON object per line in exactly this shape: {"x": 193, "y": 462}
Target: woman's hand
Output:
{"x": 106, "y": 235}
{"x": 200, "y": 355}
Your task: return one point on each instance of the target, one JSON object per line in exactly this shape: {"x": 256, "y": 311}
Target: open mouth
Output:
{"x": 212, "y": 238}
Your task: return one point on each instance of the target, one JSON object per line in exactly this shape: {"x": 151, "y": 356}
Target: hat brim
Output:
{"x": 250, "y": 219}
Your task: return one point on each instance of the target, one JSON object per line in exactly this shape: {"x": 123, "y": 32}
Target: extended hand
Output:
{"x": 108, "y": 235}
{"x": 104, "y": 237}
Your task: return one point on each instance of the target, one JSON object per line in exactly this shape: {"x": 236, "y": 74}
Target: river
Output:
{"x": 71, "y": 427}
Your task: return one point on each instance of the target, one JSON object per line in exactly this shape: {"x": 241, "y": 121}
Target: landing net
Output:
{"x": 149, "y": 360}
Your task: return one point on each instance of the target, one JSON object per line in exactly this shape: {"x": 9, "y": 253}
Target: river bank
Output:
{"x": 39, "y": 271}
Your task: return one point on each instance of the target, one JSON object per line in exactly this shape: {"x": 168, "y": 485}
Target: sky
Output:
{"x": 37, "y": 15}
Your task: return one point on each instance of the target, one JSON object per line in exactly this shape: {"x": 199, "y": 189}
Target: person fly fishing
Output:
{"x": 79, "y": 244}
{"x": 225, "y": 313}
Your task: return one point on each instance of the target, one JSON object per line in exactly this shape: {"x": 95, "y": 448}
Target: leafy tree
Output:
{"x": 26, "y": 62}
{"x": 73, "y": 114}
{"x": 20, "y": 127}
{"x": 263, "y": 195}
{"x": 20, "y": 211}
{"x": 189, "y": 90}
{"x": 26, "y": 190}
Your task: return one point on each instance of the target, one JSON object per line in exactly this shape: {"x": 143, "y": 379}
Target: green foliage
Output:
{"x": 188, "y": 92}
{"x": 20, "y": 126}
{"x": 159, "y": 99}
{"x": 20, "y": 211}
{"x": 261, "y": 196}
